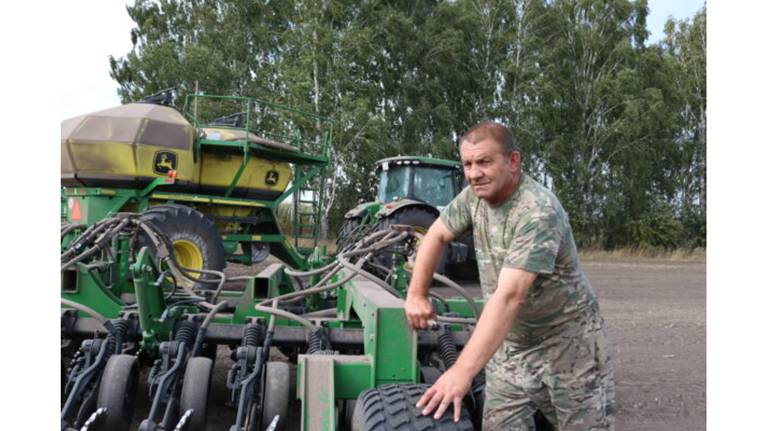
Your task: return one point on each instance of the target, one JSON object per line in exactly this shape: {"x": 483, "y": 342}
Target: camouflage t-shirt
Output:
{"x": 529, "y": 231}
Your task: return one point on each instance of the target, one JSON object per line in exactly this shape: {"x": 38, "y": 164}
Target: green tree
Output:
{"x": 615, "y": 126}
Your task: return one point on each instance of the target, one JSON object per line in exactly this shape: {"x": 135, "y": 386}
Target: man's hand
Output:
{"x": 448, "y": 389}
{"x": 418, "y": 309}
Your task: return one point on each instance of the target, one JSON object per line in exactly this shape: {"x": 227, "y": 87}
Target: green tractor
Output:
{"x": 411, "y": 191}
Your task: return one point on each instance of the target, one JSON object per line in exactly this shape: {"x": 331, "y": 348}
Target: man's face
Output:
{"x": 490, "y": 173}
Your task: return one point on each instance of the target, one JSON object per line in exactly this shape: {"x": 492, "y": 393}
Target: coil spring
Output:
{"x": 315, "y": 342}
{"x": 185, "y": 333}
{"x": 447, "y": 345}
{"x": 252, "y": 335}
{"x": 120, "y": 330}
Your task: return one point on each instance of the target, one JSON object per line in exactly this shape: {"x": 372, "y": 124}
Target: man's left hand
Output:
{"x": 448, "y": 389}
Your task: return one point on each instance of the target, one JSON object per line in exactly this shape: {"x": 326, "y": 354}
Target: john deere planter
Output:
{"x": 154, "y": 203}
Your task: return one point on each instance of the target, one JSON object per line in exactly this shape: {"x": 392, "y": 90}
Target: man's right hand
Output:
{"x": 418, "y": 309}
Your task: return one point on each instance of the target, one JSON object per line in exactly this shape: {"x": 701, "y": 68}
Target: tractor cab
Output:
{"x": 434, "y": 182}
{"x": 411, "y": 191}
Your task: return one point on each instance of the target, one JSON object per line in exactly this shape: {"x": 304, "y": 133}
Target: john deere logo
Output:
{"x": 271, "y": 178}
{"x": 164, "y": 161}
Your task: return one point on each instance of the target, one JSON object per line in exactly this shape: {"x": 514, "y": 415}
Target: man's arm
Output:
{"x": 418, "y": 308}
{"x": 495, "y": 322}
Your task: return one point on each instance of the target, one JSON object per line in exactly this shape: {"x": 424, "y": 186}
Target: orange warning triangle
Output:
{"x": 75, "y": 213}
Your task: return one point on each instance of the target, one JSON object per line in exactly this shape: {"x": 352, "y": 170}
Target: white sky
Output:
{"x": 88, "y": 87}
{"x": 97, "y": 28}
{"x": 660, "y": 10}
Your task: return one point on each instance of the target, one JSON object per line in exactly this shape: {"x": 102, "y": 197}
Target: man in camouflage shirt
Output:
{"x": 540, "y": 336}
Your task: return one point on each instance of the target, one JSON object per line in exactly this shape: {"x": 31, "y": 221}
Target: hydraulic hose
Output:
{"x": 295, "y": 273}
{"x": 383, "y": 243}
{"x": 328, "y": 312}
{"x": 360, "y": 271}
{"x": 69, "y": 227}
{"x": 288, "y": 297}
{"x": 452, "y": 284}
{"x": 211, "y": 314}
{"x": 456, "y": 320}
{"x": 87, "y": 310}
{"x": 204, "y": 327}
{"x": 288, "y": 315}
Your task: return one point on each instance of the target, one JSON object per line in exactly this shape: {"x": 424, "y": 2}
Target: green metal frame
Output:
{"x": 98, "y": 203}
{"x": 389, "y": 351}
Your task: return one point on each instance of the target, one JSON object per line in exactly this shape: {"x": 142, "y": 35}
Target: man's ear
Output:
{"x": 516, "y": 159}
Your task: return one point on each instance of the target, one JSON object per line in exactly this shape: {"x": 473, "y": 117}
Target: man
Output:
{"x": 540, "y": 336}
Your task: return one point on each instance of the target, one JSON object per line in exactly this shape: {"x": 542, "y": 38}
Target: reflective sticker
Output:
{"x": 75, "y": 215}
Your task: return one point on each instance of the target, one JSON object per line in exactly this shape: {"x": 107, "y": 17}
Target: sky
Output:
{"x": 88, "y": 87}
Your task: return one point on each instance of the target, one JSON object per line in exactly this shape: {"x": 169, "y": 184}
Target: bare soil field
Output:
{"x": 655, "y": 315}
{"x": 656, "y": 318}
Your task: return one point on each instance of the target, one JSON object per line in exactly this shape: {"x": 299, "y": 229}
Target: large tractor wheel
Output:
{"x": 347, "y": 228}
{"x": 117, "y": 391}
{"x": 196, "y": 242}
{"x": 393, "y": 408}
{"x": 418, "y": 217}
{"x": 194, "y": 391}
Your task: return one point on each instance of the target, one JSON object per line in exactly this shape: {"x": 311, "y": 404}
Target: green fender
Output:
{"x": 392, "y": 207}
{"x": 363, "y": 211}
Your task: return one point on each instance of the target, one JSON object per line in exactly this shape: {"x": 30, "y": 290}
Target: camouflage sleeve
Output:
{"x": 457, "y": 216}
{"x": 537, "y": 239}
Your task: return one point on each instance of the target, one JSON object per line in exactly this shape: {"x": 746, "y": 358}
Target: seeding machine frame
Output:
{"x": 128, "y": 301}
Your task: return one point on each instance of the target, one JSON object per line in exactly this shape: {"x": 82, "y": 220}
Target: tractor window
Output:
{"x": 433, "y": 185}
{"x": 393, "y": 183}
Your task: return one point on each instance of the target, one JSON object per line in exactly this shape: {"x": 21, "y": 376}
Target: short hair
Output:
{"x": 495, "y": 131}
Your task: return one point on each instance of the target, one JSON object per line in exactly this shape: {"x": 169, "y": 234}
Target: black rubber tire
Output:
{"x": 277, "y": 393}
{"x": 194, "y": 391}
{"x": 180, "y": 222}
{"x": 347, "y": 227}
{"x": 416, "y": 216}
{"x": 393, "y": 408}
{"x": 117, "y": 391}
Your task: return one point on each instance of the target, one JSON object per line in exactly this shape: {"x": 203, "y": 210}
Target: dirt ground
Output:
{"x": 655, "y": 315}
{"x": 656, "y": 319}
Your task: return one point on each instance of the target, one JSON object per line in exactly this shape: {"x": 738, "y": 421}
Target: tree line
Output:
{"x": 613, "y": 124}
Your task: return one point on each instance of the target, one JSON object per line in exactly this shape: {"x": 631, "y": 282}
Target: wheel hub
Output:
{"x": 188, "y": 254}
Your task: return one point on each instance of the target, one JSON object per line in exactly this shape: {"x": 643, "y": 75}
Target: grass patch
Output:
{"x": 696, "y": 255}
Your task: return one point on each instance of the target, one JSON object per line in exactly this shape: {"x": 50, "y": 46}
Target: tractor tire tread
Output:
{"x": 417, "y": 216}
{"x": 393, "y": 408}
{"x": 183, "y": 222}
